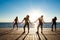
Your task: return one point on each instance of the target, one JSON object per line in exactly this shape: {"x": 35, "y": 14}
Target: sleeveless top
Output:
{"x": 40, "y": 20}
{"x": 26, "y": 20}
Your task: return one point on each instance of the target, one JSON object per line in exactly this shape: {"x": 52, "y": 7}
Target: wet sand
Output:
{"x": 14, "y": 34}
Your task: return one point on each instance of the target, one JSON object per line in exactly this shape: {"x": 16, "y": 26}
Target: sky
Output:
{"x": 9, "y": 9}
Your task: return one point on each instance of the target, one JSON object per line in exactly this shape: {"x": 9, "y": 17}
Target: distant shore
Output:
{"x": 20, "y": 25}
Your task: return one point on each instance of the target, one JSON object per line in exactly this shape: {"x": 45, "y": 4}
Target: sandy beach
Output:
{"x": 14, "y": 34}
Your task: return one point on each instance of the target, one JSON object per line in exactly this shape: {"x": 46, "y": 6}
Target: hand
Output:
{"x": 13, "y": 22}
{"x": 30, "y": 23}
{"x": 21, "y": 22}
{"x": 34, "y": 22}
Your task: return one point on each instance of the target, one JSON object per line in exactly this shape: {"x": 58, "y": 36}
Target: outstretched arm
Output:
{"x": 52, "y": 20}
{"x": 22, "y": 21}
{"x": 36, "y": 21}
{"x": 13, "y": 20}
{"x": 43, "y": 20}
{"x": 30, "y": 22}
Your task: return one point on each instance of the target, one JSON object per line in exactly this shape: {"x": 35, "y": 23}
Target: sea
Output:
{"x": 21, "y": 25}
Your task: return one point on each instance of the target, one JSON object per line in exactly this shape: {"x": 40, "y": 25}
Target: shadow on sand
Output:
{"x": 21, "y": 35}
{"x": 25, "y": 36}
{"x": 58, "y": 32}
{"x": 4, "y": 33}
{"x": 38, "y": 36}
{"x": 44, "y": 36}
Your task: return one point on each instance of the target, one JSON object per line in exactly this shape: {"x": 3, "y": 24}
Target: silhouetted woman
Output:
{"x": 15, "y": 22}
{"x": 26, "y": 19}
{"x": 54, "y": 23}
{"x": 40, "y": 19}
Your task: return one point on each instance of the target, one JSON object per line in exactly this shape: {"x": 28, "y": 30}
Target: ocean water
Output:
{"x": 20, "y": 25}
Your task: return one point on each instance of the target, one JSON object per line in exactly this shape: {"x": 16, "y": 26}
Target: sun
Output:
{"x": 34, "y": 14}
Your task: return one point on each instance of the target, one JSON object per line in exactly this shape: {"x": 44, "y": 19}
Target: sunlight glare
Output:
{"x": 34, "y": 14}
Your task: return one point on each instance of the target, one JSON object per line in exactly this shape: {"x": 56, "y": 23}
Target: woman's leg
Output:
{"x": 55, "y": 26}
{"x": 41, "y": 27}
{"x": 38, "y": 27}
{"x": 28, "y": 27}
{"x": 17, "y": 25}
{"x": 13, "y": 25}
{"x": 52, "y": 27}
{"x": 24, "y": 27}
